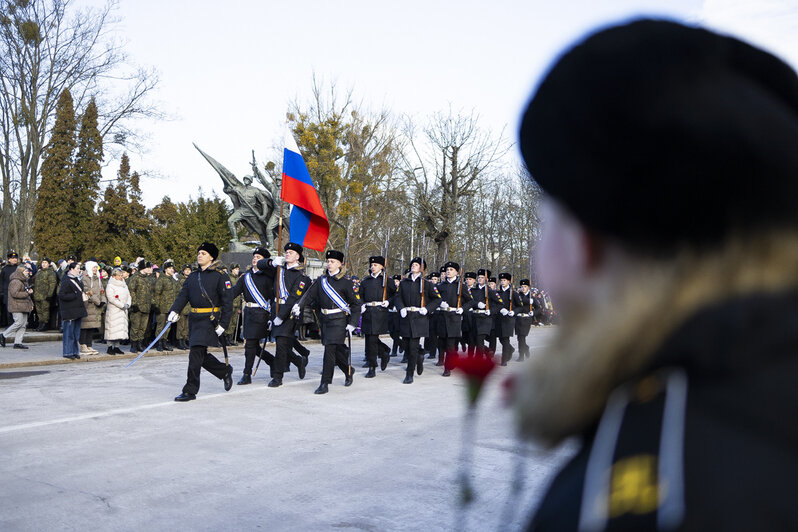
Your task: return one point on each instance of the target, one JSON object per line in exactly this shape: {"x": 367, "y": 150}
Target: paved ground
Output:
{"x": 91, "y": 445}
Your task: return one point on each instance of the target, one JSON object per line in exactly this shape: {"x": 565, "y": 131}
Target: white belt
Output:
{"x": 479, "y": 311}
{"x": 522, "y": 315}
{"x": 413, "y": 309}
{"x": 374, "y": 304}
{"x": 326, "y": 311}
{"x": 281, "y": 301}
{"x": 450, "y": 309}
{"x": 249, "y": 304}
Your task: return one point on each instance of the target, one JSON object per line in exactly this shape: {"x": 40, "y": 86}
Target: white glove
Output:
{"x": 278, "y": 261}
{"x": 511, "y": 313}
{"x": 350, "y": 328}
{"x": 481, "y": 305}
{"x": 362, "y": 309}
{"x": 487, "y": 313}
{"x": 385, "y": 304}
{"x": 531, "y": 313}
{"x": 173, "y": 316}
{"x": 423, "y": 311}
{"x": 296, "y": 311}
{"x": 503, "y": 311}
{"x": 444, "y": 305}
{"x": 219, "y": 330}
{"x": 277, "y": 321}
{"x": 403, "y": 312}
{"x": 459, "y": 310}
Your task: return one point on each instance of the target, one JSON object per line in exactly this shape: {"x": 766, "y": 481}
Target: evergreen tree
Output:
{"x": 122, "y": 225}
{"x": 86, "y": 176}
{"x": 51, "y": 226}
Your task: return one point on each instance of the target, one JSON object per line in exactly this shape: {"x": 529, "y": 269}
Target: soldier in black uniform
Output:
{"x": 467, "y": 340}
{"x": 524, "y": 315}
{"x": 505, "y": 321}
{"x": 337, "y": 299}
{"x": 290, "y": 283}
{"x": 257, "y": 287}
{"x": 431, "y": 341}
{"x": 492, "y": 336}
{"x": 393, "y": 318}
{"x": 376, "y": 291}
{"x": 455, "y": 299}
{"x": 415, "y": 300}
{"x": 482, "y": 321}
{"x": 210, "y": 294}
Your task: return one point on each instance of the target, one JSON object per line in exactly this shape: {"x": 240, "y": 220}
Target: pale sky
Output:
{"x": 229, "y": 69}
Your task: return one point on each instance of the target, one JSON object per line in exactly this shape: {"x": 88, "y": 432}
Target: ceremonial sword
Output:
{"x": 168, "y": 324}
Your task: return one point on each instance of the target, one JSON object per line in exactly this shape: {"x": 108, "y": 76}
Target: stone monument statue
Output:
{"x": 256, "y": 209}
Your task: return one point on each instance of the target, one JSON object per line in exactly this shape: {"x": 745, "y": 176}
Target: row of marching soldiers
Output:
{"x": 276, "y": 292}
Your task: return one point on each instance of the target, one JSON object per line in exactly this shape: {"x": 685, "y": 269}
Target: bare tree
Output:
{"x": 446, "y": 164}
{"x": 45, "y": 47}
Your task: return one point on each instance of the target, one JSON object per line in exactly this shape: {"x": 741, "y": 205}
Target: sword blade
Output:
{"x": 168, "y": 324}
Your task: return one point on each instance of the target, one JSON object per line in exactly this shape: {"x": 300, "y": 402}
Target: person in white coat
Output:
{"x": 116, "y": 323}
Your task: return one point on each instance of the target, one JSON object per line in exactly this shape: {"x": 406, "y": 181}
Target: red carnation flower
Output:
{"x": 476, "y": 370}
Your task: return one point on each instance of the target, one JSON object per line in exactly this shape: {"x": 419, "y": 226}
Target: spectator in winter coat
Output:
{"x": 19, "y": 305}
{"x": 70, "y": 302}
{"x": 116, "y": 323}
{"x": 94, "y": 303}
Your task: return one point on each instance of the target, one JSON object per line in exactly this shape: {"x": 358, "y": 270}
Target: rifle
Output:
{"x": 460, "y": 286}
{"x": 484, "y": 258}
{"x": 384, "y": 270}
{"x": 423, "y": 249}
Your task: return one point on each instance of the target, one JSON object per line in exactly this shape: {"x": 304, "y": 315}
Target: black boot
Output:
{"x": 166, "y": 346}
{"x": 245, "y": 379}
{"x": 111, "y": 350}
{"x": 321, "y": 389}
{"x": 134, "y": 346}
{"x": 408, "y": 379}
{"x": 159, "y": 346}
{"x": 2, "y": 340}
{"x": 371, "y": 373}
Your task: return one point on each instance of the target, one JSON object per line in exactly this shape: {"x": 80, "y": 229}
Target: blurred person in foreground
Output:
{"x": 669, "y": 158}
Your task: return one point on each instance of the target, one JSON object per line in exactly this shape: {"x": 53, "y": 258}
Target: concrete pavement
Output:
{"x": 94, "y": 445}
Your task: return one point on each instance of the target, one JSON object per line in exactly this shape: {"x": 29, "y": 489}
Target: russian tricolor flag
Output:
{"x": 308, "y": 224}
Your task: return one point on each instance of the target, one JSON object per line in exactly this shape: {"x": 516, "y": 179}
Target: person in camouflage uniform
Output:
{"x": 231, "y": 332}
{"x": 141, "y": 288}
{"x": 166, "y": 289}
{"x": 44, "y": 285}
{"x": 181, "y": 334}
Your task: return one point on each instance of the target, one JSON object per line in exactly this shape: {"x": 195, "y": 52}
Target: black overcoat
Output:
{"x": 375, "y": 319}
{"x": 414, "y": 325}
{"x": 70, "y": 299}
{"x": 296, "y": 284}
{"x": 450, "y": 323}
{"x": 256, "y": 319}
{"x": 333, "y": 326}
{"x": 208, "y": 288}
{"x": 480, "y": 321}
{"x": 524, "y": 313}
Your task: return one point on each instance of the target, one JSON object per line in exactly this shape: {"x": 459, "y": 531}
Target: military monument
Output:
{"x": 258, "y": 210}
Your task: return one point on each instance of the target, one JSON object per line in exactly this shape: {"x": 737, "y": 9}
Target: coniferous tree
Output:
{"x": 52, "y": 228}
{"x": 86, "y": 176}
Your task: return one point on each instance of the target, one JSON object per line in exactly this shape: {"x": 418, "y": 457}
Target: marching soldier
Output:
{"x": 257, "y": 288}
{"x": 455, "y": 298}
{"x": 505, "y": 320}
{"x": 492, "y": 282}
{"x": 290, "y": 283}
{"x": 467, "y": 339}
{"x": 337, "y": 299}
{"x": 393, "y": 318}
{"x": 209, "y": 292}
{"x": 141, "y": 287}
{"x": 524, "y": 315}
{"x": 165, "y": 293}
{"x": 44, "y": 285}
{"x": 482, "y": 321}
{"x": 232, "y": 329}
{"x": 415, "y": 300}
{"x": 376, "y": 291}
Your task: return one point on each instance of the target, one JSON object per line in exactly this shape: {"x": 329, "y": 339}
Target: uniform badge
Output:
{"x": 357, "y": 296}
{"x": 228, "y": 285}
{"x": 301, "y": 285}
{"x": 299, "y": 292}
